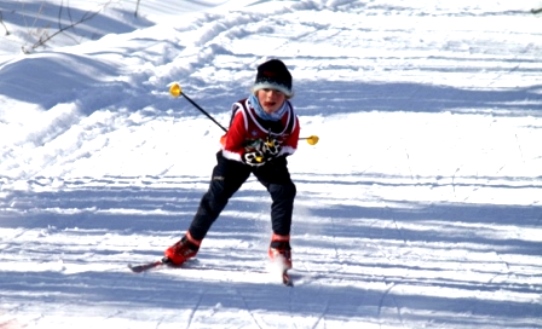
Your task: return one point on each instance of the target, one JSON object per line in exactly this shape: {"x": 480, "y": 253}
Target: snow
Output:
{"x": 418, "y": 208}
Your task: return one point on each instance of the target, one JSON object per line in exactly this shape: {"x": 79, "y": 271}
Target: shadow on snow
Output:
{"x": 100, "y": 212}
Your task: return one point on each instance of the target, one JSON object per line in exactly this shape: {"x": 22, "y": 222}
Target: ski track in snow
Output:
{"x": 418, "y": 208}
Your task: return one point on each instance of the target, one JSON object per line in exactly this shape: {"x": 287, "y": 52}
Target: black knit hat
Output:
{"x": 273, "y": 74}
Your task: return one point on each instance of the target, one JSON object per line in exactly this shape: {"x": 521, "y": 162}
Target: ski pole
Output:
{"x": 175, "y": 90}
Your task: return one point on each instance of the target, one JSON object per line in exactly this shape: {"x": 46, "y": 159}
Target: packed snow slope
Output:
{"x": 418, "y": 208}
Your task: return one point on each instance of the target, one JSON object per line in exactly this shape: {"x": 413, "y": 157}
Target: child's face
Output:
{"x": 270, "y": 99}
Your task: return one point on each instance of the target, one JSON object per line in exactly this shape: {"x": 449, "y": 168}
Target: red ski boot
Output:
{"x": 183, "y": 250}
{"x": 280, "y": 251}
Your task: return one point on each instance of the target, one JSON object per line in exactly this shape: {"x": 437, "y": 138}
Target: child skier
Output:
{"x": 263, "y": 131}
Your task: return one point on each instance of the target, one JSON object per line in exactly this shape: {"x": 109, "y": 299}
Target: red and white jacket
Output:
{"x": 246, "y": 126}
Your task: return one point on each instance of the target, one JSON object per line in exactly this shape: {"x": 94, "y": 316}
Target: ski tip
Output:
{"x": 144, "y": 267}
{"x": 136, "y": 268}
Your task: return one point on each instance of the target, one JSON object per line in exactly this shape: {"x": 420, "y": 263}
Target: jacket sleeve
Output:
{"x": 234, "y": 139}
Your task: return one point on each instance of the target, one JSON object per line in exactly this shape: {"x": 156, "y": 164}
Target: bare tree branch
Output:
{"x": 137, "y": 8}
{"x": 4, "y": 25}
{"x": 45, "y": 37}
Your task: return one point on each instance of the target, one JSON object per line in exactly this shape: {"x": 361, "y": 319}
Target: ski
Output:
{"x": 148, "y": 266}
{"x": 286, "y": 278}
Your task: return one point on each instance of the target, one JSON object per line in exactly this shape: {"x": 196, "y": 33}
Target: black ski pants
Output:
{"x": 227, "y": 178}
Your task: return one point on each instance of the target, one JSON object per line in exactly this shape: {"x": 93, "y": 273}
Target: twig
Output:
{"x": 4, "y": 25}
{"x": 45, "y": 37}
{"x": 137, "y": 8}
